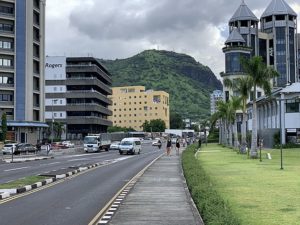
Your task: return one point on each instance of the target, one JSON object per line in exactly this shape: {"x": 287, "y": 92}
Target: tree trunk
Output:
{"x": 220, "y": 131}
{"x": 253, "y": 151}
{"x": 230, "y": 135}
{"x": 226, "y": 134}
{"x": 244, "y": 133}
{"x": 235, "y": 135}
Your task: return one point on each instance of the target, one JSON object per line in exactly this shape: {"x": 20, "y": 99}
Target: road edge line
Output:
{"x": 102, "y": 212}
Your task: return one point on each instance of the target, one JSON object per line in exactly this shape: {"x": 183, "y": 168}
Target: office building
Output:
{"x": 22, "y": 50}
{"x": 76, "y": 95}
{"x": 133, "y": 105}
{"x": 275, "y": 41}
{"x": 216, "y": 96}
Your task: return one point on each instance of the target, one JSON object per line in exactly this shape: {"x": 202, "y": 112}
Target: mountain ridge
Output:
{"x": 188, "y": 82}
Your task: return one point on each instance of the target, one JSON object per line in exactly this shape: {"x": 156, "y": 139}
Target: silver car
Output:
{"x": 9, "y": 148}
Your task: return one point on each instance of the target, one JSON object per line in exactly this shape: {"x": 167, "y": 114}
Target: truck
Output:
{"x": 102, "y": 141}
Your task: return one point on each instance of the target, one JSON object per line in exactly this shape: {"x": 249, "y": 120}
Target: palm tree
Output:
{"x": 261, "y": 76}
{"x": 243, "y": 87}
{"x": 222, "y": 114}
{"x": 235, "y": 104}
{"x": 58, "y": 128}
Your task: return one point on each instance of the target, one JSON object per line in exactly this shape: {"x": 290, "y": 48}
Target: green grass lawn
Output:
{"x": 22, "y": 182}
{"x": 258, "y": 192}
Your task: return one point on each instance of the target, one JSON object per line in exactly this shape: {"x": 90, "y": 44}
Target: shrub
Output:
{"x": 213, "y": 209}
{"x": 287, "y": 145}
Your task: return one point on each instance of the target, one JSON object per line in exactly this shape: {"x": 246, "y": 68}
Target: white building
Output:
{"x": 280, "y": 112}
{"x": 214, "y": 98}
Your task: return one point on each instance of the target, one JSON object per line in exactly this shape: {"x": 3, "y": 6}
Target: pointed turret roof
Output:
{"x": 278, "y": 7}
{"x": 234, "y": 37}
{"x": 243, "y": 13}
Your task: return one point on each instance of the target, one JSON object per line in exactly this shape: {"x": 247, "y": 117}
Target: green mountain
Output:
{"x": 188, "y": 82}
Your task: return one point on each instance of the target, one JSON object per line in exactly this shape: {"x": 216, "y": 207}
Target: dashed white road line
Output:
{"x": 16, "y": 169}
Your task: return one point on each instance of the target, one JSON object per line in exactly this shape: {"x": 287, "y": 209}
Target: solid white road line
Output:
{"x": 16, "y": 169}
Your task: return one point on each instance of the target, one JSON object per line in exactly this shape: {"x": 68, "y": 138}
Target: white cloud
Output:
{"x": 121, "y": 28}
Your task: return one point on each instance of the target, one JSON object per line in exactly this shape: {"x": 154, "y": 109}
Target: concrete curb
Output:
{"x": 5, "y": 193}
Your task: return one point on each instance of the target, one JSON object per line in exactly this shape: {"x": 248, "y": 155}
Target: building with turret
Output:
{"x": 275, "y": 41}
{"x": 274, "y": 38}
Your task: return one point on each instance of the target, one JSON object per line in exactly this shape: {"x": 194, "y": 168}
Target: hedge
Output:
{"x": 213, "y": 209}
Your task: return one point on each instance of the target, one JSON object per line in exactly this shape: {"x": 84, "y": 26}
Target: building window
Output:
{"x": 292, "y": 107}
{"x": 145, "y": 108}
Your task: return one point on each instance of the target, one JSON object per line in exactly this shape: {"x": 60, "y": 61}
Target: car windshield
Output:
{"x": 90, "y": 140}
{"x": 8, "y": 145}
{"x": 126, "y": 143}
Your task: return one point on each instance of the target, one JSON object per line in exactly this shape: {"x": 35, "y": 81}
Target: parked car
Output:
{"x": 173, "y": 140}
{"x": 114, "y": 145}
{"x": 68, "y": 144}
{"x": 9, "y": 148}
{"x": 25, "y": 148}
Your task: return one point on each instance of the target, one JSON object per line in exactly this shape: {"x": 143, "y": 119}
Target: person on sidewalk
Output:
{"x": 169, "y": 146}
{"x": 177, "y": 146}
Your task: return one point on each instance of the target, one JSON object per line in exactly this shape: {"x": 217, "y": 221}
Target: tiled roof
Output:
{"x": 234, "y": 37}
{"x": 243, "y": 13}
{"x": 278, "y": 7}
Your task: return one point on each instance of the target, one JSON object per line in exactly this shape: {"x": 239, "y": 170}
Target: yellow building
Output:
{"x": 133, "y": 105}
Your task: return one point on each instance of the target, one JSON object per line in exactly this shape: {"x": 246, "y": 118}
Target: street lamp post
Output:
{"x": 52, "y": 133}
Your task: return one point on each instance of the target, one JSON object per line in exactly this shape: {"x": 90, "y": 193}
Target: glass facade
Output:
{"x": 281, "y": 56}
{"x": 233, "y": 61}
{"x": 292, "y": 54}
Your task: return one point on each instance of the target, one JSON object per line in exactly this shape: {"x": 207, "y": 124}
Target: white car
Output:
{"x": 114, "y": 145}
{"x": 130, "y": 146}
{"x": 155, "y": 142}
{"x": 68, "y": 144}
{"x": 9, "y": 148}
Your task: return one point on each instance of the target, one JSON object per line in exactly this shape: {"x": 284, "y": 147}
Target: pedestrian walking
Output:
{"x": 199, "y": 143}
{"x": 177, "y": 146}
{"x": 169, "y": 145}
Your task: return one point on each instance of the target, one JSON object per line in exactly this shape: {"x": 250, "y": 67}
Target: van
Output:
{"x": 130, "y": 146}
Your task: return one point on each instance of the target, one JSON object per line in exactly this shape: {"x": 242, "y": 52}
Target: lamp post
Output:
{"x": 52, "y": 133}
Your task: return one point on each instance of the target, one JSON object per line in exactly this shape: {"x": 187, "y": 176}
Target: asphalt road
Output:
{"x": 14, "y": 171}
{"x": 78, "y": 199}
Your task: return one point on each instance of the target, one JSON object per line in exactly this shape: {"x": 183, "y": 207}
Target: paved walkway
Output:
{"x": 159, "y": 197}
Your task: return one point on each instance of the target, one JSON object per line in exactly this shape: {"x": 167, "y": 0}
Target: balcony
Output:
{"x": 88, "y": 69}
{"x": 92, "y": 81}
{"x": 88, "y": 94}
{"x": 88, "y": 120}
{"x": 89, "y": 107}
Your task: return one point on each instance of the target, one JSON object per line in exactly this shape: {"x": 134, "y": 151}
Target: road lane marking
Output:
{"x": 72, "y": 160}
{"x": 105, "y": 210}
{"x": 51, "y": 163}
{"x": 14, "y": 197}
{"x": 16, "y": 169}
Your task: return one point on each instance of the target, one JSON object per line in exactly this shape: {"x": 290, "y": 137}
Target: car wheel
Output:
{"x": 139, "y": 151}
{"x": 121, "y": 153}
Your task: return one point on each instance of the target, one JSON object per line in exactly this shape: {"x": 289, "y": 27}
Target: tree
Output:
{"x": 157, "y": 125}
{"x": 119, "y": 129}
{"x": 261, "y": 76}
{"x": 176, "y": 121}
{"x": 235, "y": 104}
{"x": 58, "y": 129}
{"x": 222, "y": 115}
{"x": 4, "y": 126}
{"x": 243, "y": 87}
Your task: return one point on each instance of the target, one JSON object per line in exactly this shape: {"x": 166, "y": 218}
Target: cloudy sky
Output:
{"x": 111, "y": 29}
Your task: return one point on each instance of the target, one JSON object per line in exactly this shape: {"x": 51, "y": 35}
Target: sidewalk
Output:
{"x": 159, "y": 197}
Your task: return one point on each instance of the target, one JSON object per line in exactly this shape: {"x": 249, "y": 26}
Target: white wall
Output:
{"x": 56, "y": 102}
{"x": 292, "y": 120}
{"x": 56, "y": 89}
{"x": 55, "y": 68}
{"x": 56, "y": 115}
